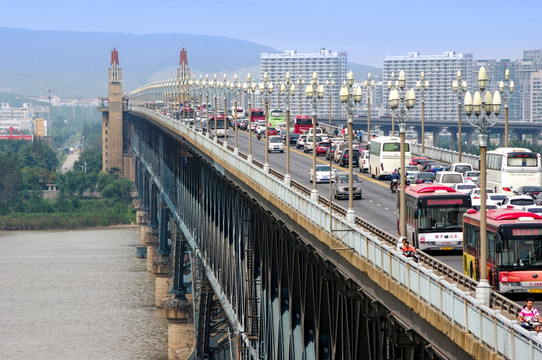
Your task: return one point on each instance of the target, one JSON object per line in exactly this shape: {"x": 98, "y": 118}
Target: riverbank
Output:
{"x": 87, "y": 214}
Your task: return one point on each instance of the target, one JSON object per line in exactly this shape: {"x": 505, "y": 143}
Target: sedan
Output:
{"x": 323, "y": 173}
{"x": 464, "y": 187}
{"x": 472, "y": 176}
{"x": 423, "y": 178}
{"x": 293, "y": 138}
{"x": 300, "y": 141}
{"x": 532, "y": 191}
{"x": 307, "y": 147}
{"x": 342, "y": 186}
{"x": 518, "y": 202}
{"x": 322, "y": 147}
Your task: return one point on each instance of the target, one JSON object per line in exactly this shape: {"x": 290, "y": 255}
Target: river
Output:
{"x": 77, "y": 295}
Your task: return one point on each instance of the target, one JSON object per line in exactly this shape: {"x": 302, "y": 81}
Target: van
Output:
{"x": 449, "y": 178}
{"x": 318, "y": 131}
{"x": 461, "y": 167}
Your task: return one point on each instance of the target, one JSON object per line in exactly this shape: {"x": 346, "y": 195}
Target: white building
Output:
{"x": 441, "y": 103}
{"x": 325, "y": 63}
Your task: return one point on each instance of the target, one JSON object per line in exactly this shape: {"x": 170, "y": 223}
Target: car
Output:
{"x": 475, "y": 195}
{"x": 472, "y": 176}
{"x": 464, "y": 187}
{"x": 307, "y": 146}
{"x": 242, "y": 124}
{"x": 534, "y": 209}
{"x": 449, "y": 178}
{"x": 293, "y": 138}
{"x": 435, "y": 167}
{"x": 364, "y": 161}
{"x": 461, "y": 167}
{"x": 322, "y": 174}
{"x": 275, "y": 143}
{"x": 495, "y": 198}
{"x": 532, "y": 191}
{"x": 518, "y": 202}
{"x": 336, "y": 140}
{"x": 423, "y": 178}
{"x": 415, "y": 160}
{"x": 488, "y": 207}
{"x": 322, "y": 147}
{"x": 343, "y": 161}
{"x": 260, "y": 127}
{"x": 330, "y": 154}
{"x": 341, "y": 186}
{"x": 271, "y": 130}
{"x": 300, "y": 141}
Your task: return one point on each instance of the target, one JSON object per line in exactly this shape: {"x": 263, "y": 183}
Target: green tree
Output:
{"x": 119, "y": 190}
{"x": 9, "y": 179}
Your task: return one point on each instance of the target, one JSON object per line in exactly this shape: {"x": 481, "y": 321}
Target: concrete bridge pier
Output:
{"x": 181, "y": 340}
{"x": 151, "y": 241}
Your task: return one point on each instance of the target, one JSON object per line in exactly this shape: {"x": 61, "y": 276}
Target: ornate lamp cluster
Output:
{"x": 266, "y": 89}
{"x": 287, "y": 89}
{"x": 459, "y": 87}
{"x": 314, "y": 93}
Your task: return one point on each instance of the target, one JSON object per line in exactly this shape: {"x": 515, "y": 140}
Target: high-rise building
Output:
{"x": 325, "y": 63}
{"x": 440, "y": 70}
{"x": 536, "y": 96}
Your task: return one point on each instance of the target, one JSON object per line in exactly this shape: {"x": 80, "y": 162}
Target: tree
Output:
{"x": 9, "y": 179}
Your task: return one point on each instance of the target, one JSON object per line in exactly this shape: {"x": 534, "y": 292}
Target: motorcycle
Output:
{"x": 259, "y": 136}
{"x": 393, "y": 185}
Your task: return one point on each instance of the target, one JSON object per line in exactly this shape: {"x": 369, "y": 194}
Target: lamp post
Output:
{"x": 487, "y": 109}
{"x": 234, "y": 89}
{"x": 506, "y": 88}
{"x": 460, "y": 88}
{"x": 287, "y": 89}
{"x": 213, "y": 85}
{"x": 300, "y": 86}
{"x": 314, "y": 92}
{"x": 368, "y": 85}
{"x": 266, "y": 89}
{"x": 392, "y": 84}
{"x": 249, "y": 87}
{"x": 224, "y": 92}
{"x": 422, "y": 86}
{"x": 401, "y": 103}
{"x": 350, "y": 98}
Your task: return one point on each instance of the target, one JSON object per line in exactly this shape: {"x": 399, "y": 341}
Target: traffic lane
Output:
{"x": 377, "y": 206}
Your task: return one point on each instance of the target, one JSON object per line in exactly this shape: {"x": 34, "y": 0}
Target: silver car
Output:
{"x": 341, "y": 186}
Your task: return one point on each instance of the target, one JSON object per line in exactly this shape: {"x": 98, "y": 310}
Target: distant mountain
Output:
{"x": 74, "y": 64}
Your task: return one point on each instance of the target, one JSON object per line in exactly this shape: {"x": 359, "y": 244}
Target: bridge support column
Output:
{"x": 454, "y": 144}
{"x": 181, "y": 340}
{"x": 151, "y": 241}
{"x": 435, "y": 138}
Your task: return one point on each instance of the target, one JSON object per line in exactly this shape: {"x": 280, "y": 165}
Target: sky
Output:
{"x": 366, "y": 30}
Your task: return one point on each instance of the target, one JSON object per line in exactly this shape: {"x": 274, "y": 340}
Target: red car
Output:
{"x": 322, "y": 147}
{"x": 272, "y": 131}
{"x": 416, "y": 159}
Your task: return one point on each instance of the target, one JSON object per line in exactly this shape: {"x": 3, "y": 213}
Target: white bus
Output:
{"x": 510, "y": 168}
{"x": 385, "y": 155}
{"x": 240, "y": 112}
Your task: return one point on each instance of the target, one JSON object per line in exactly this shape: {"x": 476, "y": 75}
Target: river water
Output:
{"x": 77, "y": 295}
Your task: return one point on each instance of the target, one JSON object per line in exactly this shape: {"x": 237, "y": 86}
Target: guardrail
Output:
{"x": 489, "y": 326}
{"x": 447, "y": 156}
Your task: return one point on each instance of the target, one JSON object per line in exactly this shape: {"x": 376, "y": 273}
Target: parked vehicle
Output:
{"x": 341, "y": 186}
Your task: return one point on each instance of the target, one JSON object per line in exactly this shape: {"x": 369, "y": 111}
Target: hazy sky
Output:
{"x": 366, "y": 30}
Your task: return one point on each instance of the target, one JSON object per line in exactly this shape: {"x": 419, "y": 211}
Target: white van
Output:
{"x": 461, "y": 167}
{"x": 449, "y": 178}
{"x": 318, "y": 132}
{"x": 364, "y": 161}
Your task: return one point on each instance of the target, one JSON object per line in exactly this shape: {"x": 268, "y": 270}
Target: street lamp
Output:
{"x": 224, "y": 92}
{"x": 401, "y": 103}
{"x": 392, "y": 85}
{"x": 460, "y": 88}
{"x": 421, "y": 87}
{"x": 266, "y": 89}
{"x": 368, "y": 85}
{"x": 314, "y": 92}
{"x": 506, "y": 88}
{"x": 487, "y": 110}
{"x": 300, "y": 86}
{"x": 350, "y": 98}
{"x": 288, "y": 89}
{"x": 235, "y": 87}
{"x": 249, "y": 87}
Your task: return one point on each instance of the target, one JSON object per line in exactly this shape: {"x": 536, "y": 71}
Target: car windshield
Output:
{"x": 323, "y": 168}
{"x": 522, "y": 201}
{"x": 465, "y": 186}
{"x": 426, "y": 176}
{"x": 344, "y": 178}
{"x": 472, "y": 173}
{"x": 275, "y": 139}
{"x": 497, "y": 197}
{"x": 532, "y": 188}
{"x": 322, "y": 143}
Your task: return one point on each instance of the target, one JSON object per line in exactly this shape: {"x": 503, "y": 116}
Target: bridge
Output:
{"x": 249, "y": 265}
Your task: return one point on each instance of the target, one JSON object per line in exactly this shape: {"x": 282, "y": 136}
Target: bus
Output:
{"x": 434, "y": 216}
{"x": 240, "y": 112}
{"x": 514, "y": 249}
{"x": 220, "y": 131}
{"x": 276, "y": 117}
{"x": 302, "y": 124}
{"x": 255, "y": 116}
{"x": 385, "y": 155}
{"x": 510, "y": 168}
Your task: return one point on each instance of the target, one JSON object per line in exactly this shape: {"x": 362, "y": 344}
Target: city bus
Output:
{"x": 302, "y": 124}
{"x": 255, "y": 116}
{"x": 220, "y": 131}
{"x": 514, "y": 249}
{"x": 385, "y": 155}
{"x": 510, "y": 168}
{"x": 240, "y": 112}
{"x": 433, "y": 216}
{"x": 276, "y": 117}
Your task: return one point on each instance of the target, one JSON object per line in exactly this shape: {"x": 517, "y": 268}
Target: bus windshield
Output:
{"x": 306, "y": 121}
{"x": 523, "y": 159}
{"x": 257, "y": 113}
{"x": 522, "y": 247}
{"x": 276, "y": 113}
{"x": 441, "y": 217}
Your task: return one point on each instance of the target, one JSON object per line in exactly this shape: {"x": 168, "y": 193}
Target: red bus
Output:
{"x": 255, "y": 115}
{"x": 302, "y": 124}
{"x": 433, "y": 216}
{"x": 514, "y": 249}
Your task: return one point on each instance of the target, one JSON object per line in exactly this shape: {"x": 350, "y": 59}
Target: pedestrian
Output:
{"x": 528, "y": 315}
{"x": 336, "y": 132}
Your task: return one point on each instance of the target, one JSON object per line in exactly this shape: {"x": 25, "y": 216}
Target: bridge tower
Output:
{"x": 183, "y": 73}
{"x": 116, "y": 135}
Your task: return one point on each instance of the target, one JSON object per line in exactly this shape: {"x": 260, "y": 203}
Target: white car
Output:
{"x": 475, "y": 195}
{"x": 495, "y": 198}
{"x": 464, "y": 187}
{"x": 518, "y": 202}
{"x": 307, "y": 146}
{"x": 260, "y": 127}
{"x": 275, "y": 143}
{"x": 364, "y": 161}
{"x": 472, "y": 176}
{"x": 322, "y": 174}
